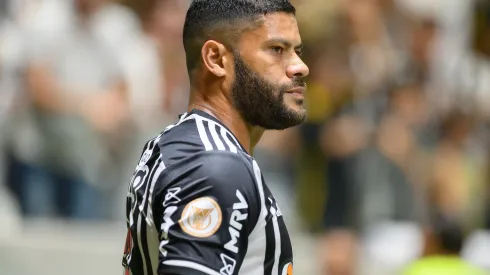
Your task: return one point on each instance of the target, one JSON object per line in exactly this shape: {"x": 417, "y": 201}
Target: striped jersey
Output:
{"x": 198, "y": 204}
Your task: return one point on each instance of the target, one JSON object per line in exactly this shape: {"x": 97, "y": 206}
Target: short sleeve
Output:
{"x": 207, "y": 209}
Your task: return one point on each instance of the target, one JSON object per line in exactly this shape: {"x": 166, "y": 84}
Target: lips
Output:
{"x": 298, "y": 90}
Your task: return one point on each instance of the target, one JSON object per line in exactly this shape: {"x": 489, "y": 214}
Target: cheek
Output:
{"x": 275, "y": 74}
{"x": 276, "y": 81}
{"x": 227, "y": 85}
{"x": 230, "y": 77}
{"x": 271, "y": 68}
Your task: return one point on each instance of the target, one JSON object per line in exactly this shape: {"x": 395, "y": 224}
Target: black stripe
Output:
{"x": 144, "y": 244}
{"x": 208, "y": 133}
{"x": 286, "y": 248}
{"x": 147, "y": 145}
{"x": 153, "y": 169}
{"x": 269, "y": 237}
{"x": 232, "y": 140}
{"x": 139, "y": 252}
{"x": 220, "y": 137}
{"x": 151, "y": 144}
{"x": 141, "y": 216}
{"x": 136, "y": 262}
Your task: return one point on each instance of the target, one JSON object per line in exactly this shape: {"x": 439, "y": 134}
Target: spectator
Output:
{"x": 10, "y": 58}
{"x": 457, "y": 181}
{"x": 444, "y": 245}
{"x": 79, "y": 104}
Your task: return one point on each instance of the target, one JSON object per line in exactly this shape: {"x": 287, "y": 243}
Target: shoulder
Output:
{"x": 227, "y": 166}
{"x": 194, "y": 134}
{"x": 219, "y": 174}
{"x": 217, "y": 168}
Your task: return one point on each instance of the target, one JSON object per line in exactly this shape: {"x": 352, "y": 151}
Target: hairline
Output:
{"x": 229, "y": 33}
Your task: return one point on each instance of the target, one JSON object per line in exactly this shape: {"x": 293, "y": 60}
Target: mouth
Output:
{"x": 298, "y": 91}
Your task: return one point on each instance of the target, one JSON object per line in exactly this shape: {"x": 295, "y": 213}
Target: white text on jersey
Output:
{"x": 235, "y": 222}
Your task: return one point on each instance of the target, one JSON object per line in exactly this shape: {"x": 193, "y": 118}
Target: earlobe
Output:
{"x": 213, "y": 54}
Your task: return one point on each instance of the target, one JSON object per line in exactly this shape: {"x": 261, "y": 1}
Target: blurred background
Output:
{"x": 390, "y": 174}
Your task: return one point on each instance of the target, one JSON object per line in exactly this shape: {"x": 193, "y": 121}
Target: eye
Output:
{"x": 299, "y": 52}
{"x": 277, "y": 49}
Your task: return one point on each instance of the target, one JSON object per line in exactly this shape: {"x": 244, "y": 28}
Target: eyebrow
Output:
{"x": 285, "y": 42}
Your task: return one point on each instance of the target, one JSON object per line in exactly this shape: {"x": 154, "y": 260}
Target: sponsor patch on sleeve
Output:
{"x": 201, "y": 217}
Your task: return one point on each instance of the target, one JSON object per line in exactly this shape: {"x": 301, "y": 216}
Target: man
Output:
{"x": 76, "y": 108}
{"x": 197, "y": 203}
{"x": 443, "y": 251}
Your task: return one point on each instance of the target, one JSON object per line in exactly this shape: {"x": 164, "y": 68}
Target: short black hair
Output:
{"x": 218, "y": 19}
{"x": 449, "y": 233}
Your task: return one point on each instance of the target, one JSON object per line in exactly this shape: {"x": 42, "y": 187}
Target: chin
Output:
{"x": 299, "y": 114}
{"x": 297, "y": 108}
{"x": 294, "y": 103}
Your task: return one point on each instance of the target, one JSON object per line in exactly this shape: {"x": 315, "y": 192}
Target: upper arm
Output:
{"x": 207, "y": 210}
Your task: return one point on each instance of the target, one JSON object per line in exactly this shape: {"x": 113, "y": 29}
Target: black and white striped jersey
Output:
{"x": 198, "y": 204}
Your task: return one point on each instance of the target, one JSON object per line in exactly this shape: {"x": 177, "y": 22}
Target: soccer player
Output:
{"x": 197, "y": 202}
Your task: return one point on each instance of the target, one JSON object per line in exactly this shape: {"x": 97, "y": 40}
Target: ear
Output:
{"x": 213, "y": 56}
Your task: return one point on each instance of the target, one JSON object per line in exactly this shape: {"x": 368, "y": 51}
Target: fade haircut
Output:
{"x": 224, "y": 21}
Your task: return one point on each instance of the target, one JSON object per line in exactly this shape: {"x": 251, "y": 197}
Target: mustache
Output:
{"x": 297, "y": 83}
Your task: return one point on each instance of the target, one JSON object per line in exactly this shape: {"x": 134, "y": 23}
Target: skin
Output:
{"x": 272, "y": 50}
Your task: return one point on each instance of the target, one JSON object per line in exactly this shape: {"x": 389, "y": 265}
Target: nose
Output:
{"x": 297, "y": 69}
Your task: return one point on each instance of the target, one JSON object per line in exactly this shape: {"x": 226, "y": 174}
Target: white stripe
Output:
{"x": 212, "y": 121}
{"x": 161, "y": 167}
{"x": 142, "y": 205}
{"x": 151, "y": 231}
{"x": 133, "y": 209}
{"x": 141, "y": 167}
{"x": 155, "y": 166}
{"x": 236, "y": 141}
{"x": 203, "y": 135}
{"x": 285, "y": 270}
{"x": 258, "y": 178}
{"x": 214, "y": 134}
{"x": 153, "y": 242}
{"x": 223, "y": 133}
{"x": 182, "y": 119}
{"x": 277, "y": 237}
{"x": 192, "y": 265}
{"x": 199, "y": 119}
{"x": 253, "y": 263}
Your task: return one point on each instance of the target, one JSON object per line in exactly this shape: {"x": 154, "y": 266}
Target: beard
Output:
{"x": 260, "y": 102}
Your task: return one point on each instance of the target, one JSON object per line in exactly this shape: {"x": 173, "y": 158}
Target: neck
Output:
{"x": 223, "y": 110}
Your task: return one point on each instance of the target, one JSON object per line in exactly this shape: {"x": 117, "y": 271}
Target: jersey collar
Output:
{"x": 209, "y": 116}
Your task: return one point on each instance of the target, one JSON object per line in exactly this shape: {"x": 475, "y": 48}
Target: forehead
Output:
{"x": 273, "y": 26}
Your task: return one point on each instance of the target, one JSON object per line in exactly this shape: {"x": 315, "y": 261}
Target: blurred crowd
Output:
{"x": 85, "y": 83}
{"x": 392, "y": 165}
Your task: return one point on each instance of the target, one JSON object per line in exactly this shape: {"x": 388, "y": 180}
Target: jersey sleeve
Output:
{"x": 208, "y": 207}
